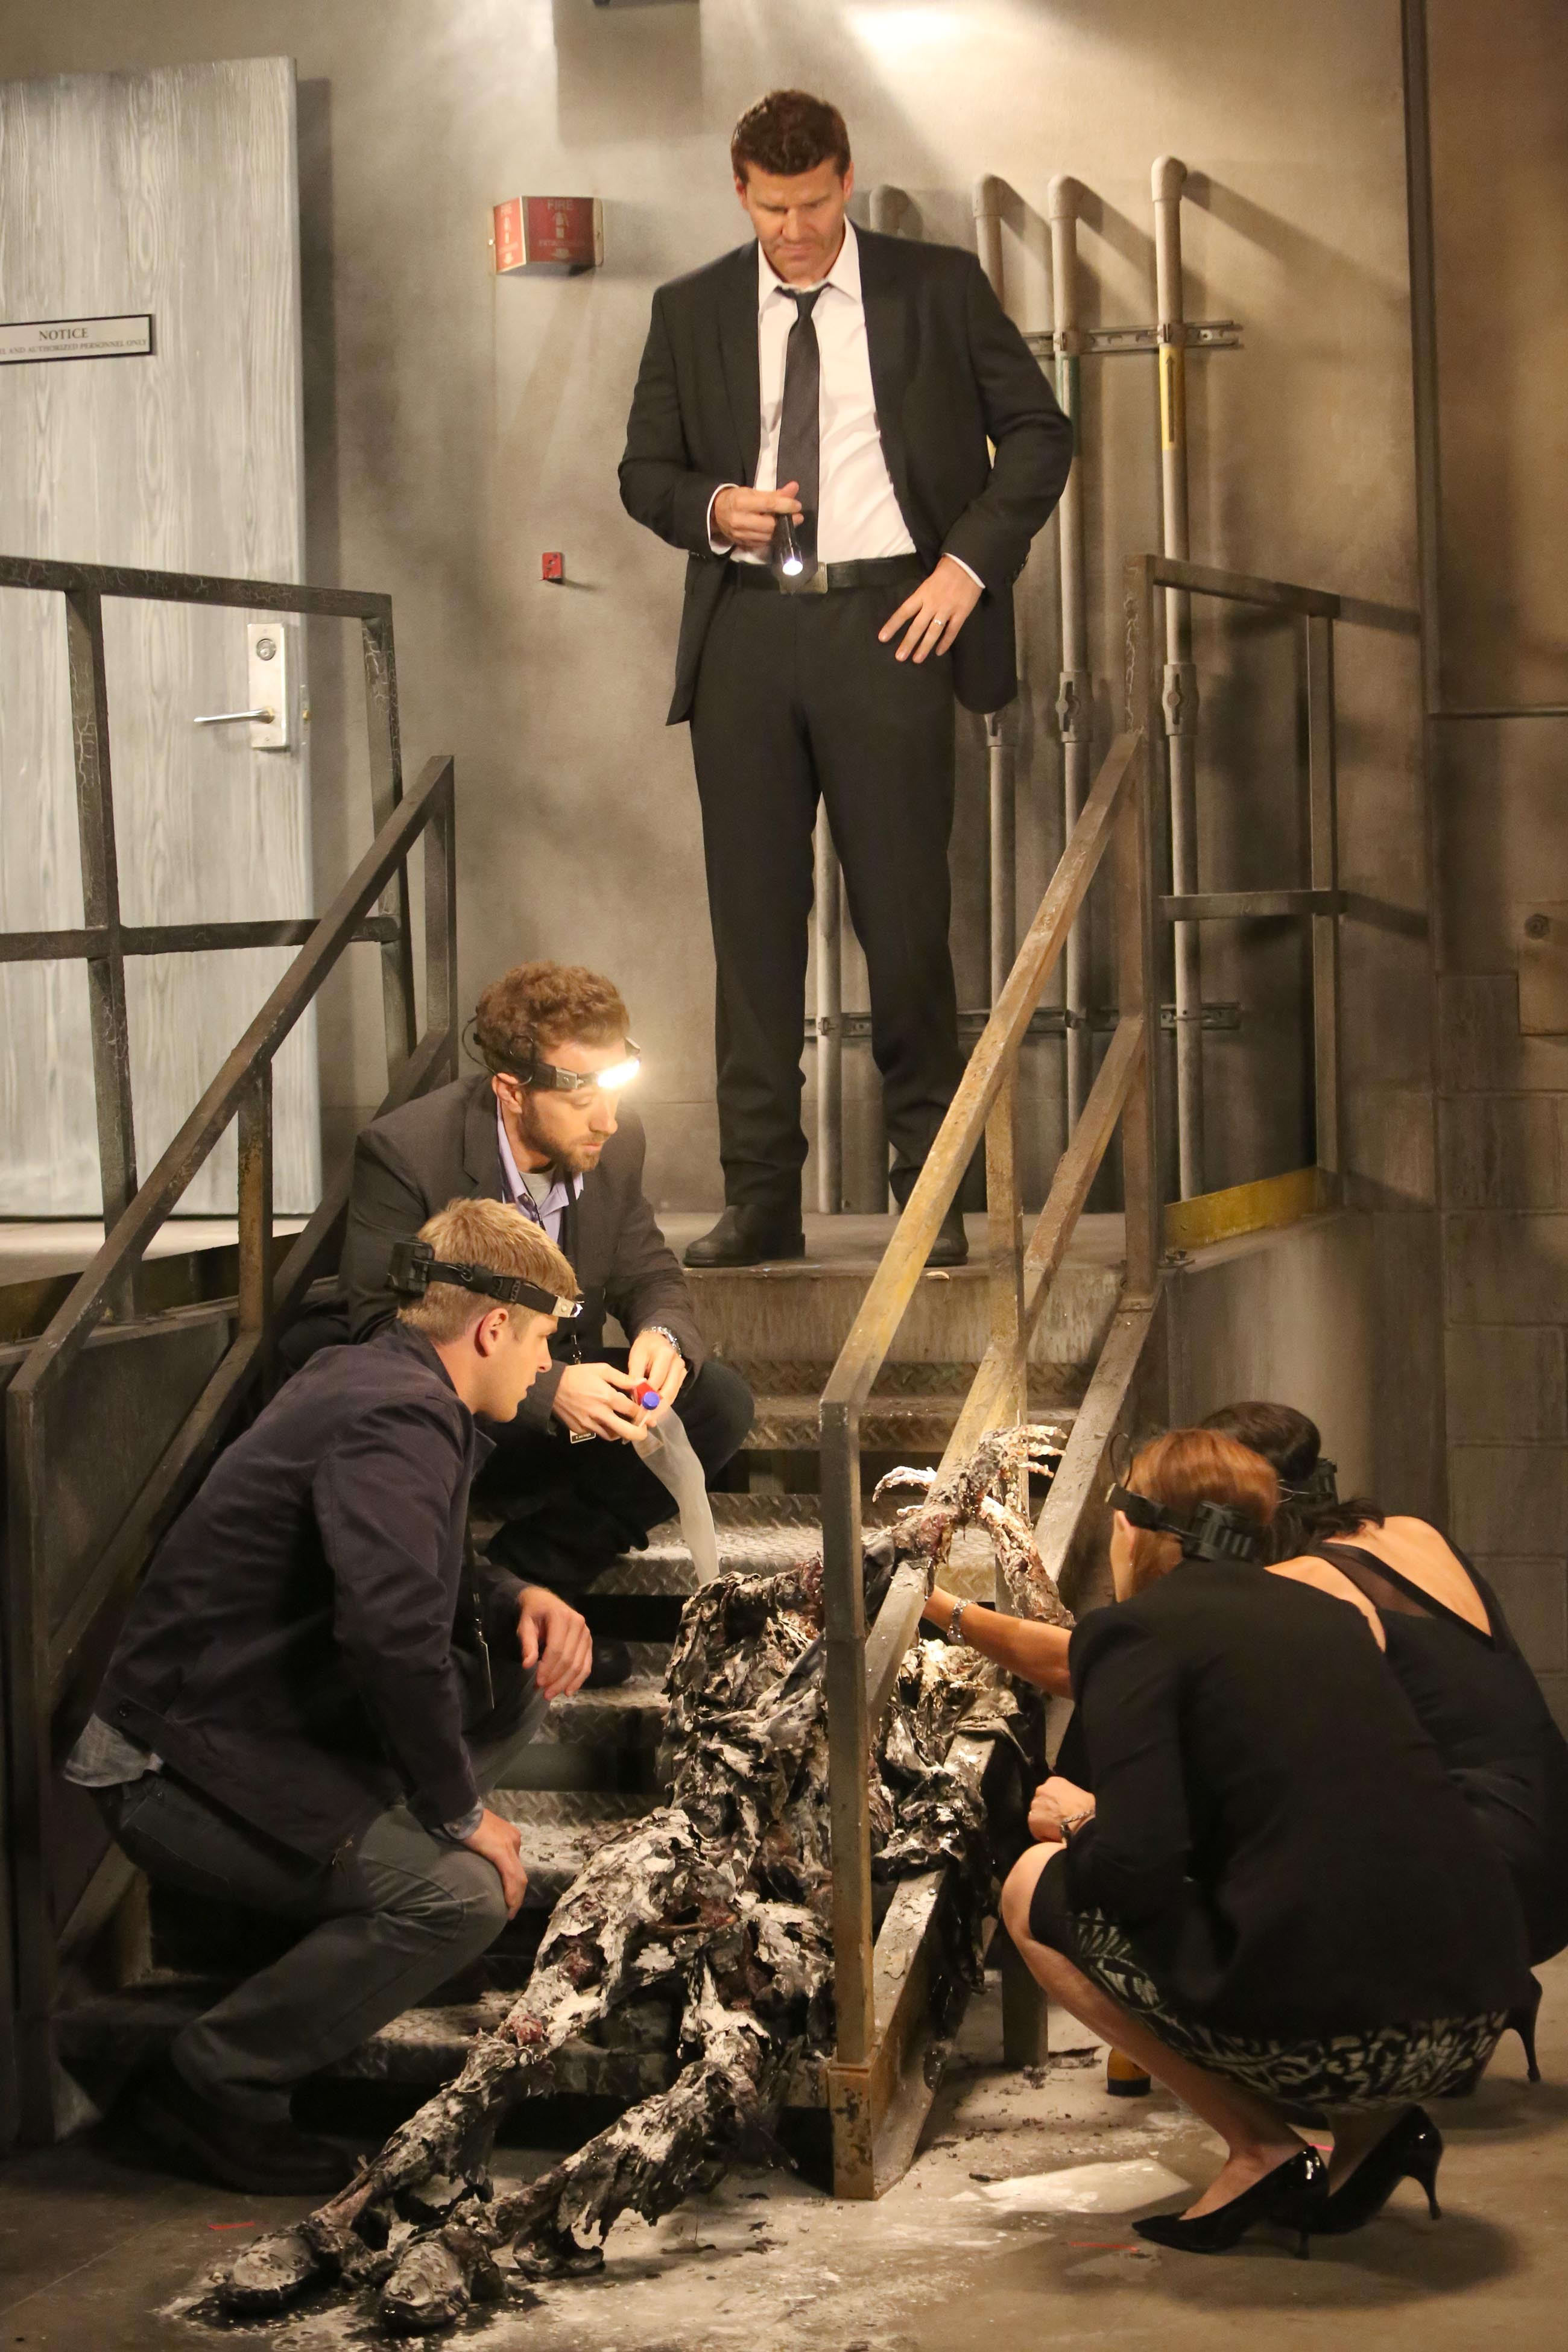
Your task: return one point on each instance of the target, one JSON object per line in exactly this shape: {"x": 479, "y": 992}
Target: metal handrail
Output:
{"x": 41, "y": 1655}
{"x": 40, "y": 1651}
{"x": 859, "y": 1673}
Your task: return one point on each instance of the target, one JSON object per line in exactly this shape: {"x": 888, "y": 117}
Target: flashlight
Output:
{"x": 792, "y": 563}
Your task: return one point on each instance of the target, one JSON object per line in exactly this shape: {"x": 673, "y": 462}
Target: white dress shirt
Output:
{"x": 858, "y": 517}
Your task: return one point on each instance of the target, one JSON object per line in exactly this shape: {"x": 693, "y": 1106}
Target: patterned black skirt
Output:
{"x": 1378, "y": 2066}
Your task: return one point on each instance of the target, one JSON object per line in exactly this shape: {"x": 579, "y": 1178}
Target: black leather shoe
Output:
{"x": 1295, "y": 2195}
{"x": 200, "y": 2138}
{"x": 951, "y": 1246}
{"x": 748, "y": 1237}
{"x": 612, "y": 1664}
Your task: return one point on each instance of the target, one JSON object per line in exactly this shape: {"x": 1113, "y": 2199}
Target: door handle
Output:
{"x": 270, "y": 686}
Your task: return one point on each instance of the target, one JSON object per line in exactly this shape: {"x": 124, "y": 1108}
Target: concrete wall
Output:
{"x": 1288, "y": 1315}
{"x": 1500, "y": 140}
{"x": 457, "y": 427}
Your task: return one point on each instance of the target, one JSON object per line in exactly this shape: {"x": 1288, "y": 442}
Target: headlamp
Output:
{"x": 1216, "y": 1530}
{"x": 415, "y": 1266}
{"x": 549, "y": 1080}
{"x": 1322, "y": 1484}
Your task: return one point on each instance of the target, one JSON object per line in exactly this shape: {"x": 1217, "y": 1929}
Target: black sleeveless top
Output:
{"x": 1274, "y": 1831}
{"x": 1475, "y": 1697}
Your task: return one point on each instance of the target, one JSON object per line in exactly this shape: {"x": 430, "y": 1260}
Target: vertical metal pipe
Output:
{"x": 1180, "y": 689}
{"x": 889, "y": 206}
{"x": 1074, "y": 686}
{"x": 1003, "y": 923}
{"x": 1137, "y": 972}
{"x": 1002, "y": 892}
{"x": 827, "y": 908}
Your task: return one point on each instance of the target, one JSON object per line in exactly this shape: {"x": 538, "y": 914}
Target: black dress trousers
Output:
{"x": 797, "y": 700}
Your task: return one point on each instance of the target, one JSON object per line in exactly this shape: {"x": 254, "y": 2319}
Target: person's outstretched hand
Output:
{"x": 555, "y": 1638}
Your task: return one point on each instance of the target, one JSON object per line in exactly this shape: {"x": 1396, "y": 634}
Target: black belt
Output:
{"x": 876, "y": 572}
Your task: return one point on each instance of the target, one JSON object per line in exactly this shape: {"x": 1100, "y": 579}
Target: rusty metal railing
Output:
{"x": 43, "y": 1632}
{"x": 860, "y": 1671}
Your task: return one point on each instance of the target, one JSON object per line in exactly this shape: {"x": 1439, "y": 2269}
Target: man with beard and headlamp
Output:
{"x": 542, "y": 1127}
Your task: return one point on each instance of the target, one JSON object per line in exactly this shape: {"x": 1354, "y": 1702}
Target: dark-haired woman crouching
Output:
{"x": 1279, "y": 1898}
{"x": 1453, "y": 1654}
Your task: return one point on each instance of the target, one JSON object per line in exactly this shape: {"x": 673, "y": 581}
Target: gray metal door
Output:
{"x": 174, "y": 193}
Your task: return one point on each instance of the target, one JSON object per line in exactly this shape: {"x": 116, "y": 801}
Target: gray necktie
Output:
{"x": 800, "y": 429}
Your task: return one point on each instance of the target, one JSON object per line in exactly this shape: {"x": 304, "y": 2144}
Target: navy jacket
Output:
{"x": 291, "y": 1650}
{"x": 976, "y": 448}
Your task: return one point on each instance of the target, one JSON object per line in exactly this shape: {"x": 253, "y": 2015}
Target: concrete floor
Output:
{"x": 96, "y": 2253}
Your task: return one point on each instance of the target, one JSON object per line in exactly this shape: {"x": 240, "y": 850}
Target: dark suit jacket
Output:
{"x": 949, "y": 370}
{"x": 443, "y": 1147}
{"x": 291, "y": 1648}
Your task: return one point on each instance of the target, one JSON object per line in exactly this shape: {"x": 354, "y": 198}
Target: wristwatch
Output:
{"x": 665, "y": 1333}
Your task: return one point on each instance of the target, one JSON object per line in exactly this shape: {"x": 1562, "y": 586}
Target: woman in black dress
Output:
{"x": 1279, "y": 1898}
{"x": 1453, "y": 1655}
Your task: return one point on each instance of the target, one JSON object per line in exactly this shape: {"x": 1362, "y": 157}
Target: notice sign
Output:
{"x": 76, "y": 339}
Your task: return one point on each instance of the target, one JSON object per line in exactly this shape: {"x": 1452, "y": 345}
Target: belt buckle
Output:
{"x": 814, "y": 583}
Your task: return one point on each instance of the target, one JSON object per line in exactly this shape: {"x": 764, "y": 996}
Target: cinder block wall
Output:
{"x": 1500, "y": 108}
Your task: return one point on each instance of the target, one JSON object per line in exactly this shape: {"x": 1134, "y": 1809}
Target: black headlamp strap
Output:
{"x": 1214, "y": 1531}
{"x": 415, "y": 1266}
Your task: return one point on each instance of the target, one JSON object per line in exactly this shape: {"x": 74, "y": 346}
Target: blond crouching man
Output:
{"x": 314, "y": 1692}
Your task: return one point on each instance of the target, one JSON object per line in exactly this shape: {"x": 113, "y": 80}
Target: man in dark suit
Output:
{"x": 810, "y": 423}
{"x": 541, "y": 1127}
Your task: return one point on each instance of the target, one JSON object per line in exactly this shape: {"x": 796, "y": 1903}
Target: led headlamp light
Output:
{"x": 415, "y": 1266}
{"x": 550, "y": 1079}
{"x": 1214, "y": 1531}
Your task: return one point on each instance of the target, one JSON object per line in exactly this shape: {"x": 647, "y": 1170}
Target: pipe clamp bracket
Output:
{"x": 1179, "y": 698}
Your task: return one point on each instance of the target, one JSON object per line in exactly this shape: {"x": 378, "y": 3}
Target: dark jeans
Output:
{"x": 571, "y": 1509}
{"x": 382, "y": 1927}
{"x": 796, "y": 700}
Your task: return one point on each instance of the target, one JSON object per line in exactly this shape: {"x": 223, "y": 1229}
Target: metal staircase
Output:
{"x": 593, "y": 1767}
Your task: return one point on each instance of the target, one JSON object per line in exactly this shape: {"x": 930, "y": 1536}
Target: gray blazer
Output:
{"x": 444, "y": 1147}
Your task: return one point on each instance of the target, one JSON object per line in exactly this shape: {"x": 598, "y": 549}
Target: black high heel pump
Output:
{"x": 1521, "y": 2021}
{"x": 1295, "y": 2194}
{"x": 1412, "y": 2151}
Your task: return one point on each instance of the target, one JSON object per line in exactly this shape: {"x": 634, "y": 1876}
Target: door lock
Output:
{"x": 270, "y": 688}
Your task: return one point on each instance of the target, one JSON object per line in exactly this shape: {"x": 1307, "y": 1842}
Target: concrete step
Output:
{"x": 907, "y": 1426}
{"x": 802, "y": 1310}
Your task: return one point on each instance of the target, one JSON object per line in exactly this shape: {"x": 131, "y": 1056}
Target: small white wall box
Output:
{"x": 548, "y": 236}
